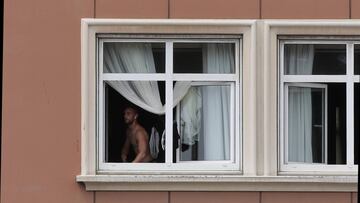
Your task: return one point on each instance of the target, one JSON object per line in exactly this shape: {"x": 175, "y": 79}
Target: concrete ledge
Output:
{"x": 217, "y": 183}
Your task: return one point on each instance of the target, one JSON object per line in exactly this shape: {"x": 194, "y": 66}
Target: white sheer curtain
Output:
{"x": 299, "y": 61}
{"x": 205, "y": 110}
{"x": 218, "y": 58}
{"x": 138, "y": 58}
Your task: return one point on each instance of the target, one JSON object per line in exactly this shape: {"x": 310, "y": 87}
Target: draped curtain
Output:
{"x": 299, "y": 61}
{"x": 138, "y": 58}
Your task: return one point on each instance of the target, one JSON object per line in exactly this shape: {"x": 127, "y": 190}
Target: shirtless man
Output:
{"x": 137, "y": 137}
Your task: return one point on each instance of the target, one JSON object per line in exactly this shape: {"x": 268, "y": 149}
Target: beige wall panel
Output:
{"x": 305, "y": 197}
{"x": 355, "y": 9}
{"x": 354, "y": 197}
{"x": 214, "y": 9}
{"x": 131, "y": 197}
{"x": 305, "y": 9}
{"x": 214, "y": 197}
{"x": 131, "y": 8}
{"x": 41, "y": 101}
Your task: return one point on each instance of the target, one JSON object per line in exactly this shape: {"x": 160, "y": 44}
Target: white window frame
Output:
{"x": 234, "y": 105}
{"x": 312, "y": 80}
{"x": 234, "y": 164}
{"x": 260, "y": 108}
{"x": 284, "y": 139}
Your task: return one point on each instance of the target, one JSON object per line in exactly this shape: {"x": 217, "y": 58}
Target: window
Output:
{"x": 224, "y": 100}
{"x": 318, "y": 100}
{"x": 186, "y": 92}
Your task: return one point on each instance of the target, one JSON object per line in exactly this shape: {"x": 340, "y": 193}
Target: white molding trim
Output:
{"x": 243, "y": 29}
{"x": 298, "y": 30}
{"x": 187, "y": 22}
{"x": 259, "y": 104}
{"x": 218, "y": 183}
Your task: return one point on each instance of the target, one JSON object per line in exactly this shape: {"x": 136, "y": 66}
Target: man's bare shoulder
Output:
{"x": 141, "y": 132}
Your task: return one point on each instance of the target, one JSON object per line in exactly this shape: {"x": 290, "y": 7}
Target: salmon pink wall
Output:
{"x": 41, "y": 101}
{"x": 305, "y": 9}
{"x": 355, "y": 9}
{"x": 41, "y": 93}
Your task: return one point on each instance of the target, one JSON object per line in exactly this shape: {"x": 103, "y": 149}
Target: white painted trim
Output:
{"x": 178, "y": 22}
{"x": 284, "y": 163}
{"x": 169, "y": 105}
{"x": 134, "y": 76}
{"x": 350, "y": 106}
{"x": 219, "y": 183}
{"x": 169, "y": 77}
{"x": 238, "y": 115}
{"x": 204, "y": 77}
{"x": 190, "y": 166}
{"x": 312, "y": 81}
{"x": 310, "y": 24}
{"x": 233, "y": 126}
{"x": 315, "y": 78}
{"x": 257, "y": 93}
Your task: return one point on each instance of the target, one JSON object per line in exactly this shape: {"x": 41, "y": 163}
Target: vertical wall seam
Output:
{"x": 168, "y": 7}
{"x": 260, "y": 10}
{"x": 94, "y": 8}
{"x": 260, "y": 200}
{"x": 350, "y": 9}
{"x": 94, "y": 197}
{"x": 169, "y": 198}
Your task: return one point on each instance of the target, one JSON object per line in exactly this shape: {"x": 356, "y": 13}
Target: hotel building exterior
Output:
{"x": 242, "y": 101}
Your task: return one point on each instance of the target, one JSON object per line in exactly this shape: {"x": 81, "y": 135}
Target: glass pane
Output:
{"x": 306, "y": 125}
{"x": 204, "y": 58}
{"x": 336, "y": 123}
{"x": 134, "y": 57}
{"x": 131, "y": 107}
{"x": 356, "y": 122}
{"x": 357, "y": 59}
{"x": 204, "y": 124}
{"x": 315, "y": 59}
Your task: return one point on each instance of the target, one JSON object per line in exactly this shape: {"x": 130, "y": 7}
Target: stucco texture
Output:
{"x": 41, "y": 101}
{"x": 41, "y": 93}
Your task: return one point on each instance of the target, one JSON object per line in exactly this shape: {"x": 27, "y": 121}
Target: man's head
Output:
{"x": 130, "y": 115}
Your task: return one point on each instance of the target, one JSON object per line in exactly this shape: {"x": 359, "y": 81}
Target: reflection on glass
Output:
{"x": 315, "y": 59}
{"x": 133, "y": 57}
{"x": 204, "y": 123}
{"x": 336, "y": 123}
{"x": 204, "y": 57}
{"x": 306, "y": 125}
{"x": 120, "y": 116}
{"x": 356, "y": 122}
{"x": 357, "y": 59}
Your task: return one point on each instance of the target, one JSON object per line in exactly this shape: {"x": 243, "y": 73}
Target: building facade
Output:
{"x": 56, "y": 135}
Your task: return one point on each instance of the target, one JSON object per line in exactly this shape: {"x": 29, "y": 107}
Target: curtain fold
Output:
{"x": 205, "y": 110}
{"x": 216, "y": 104}
{"x": 138, "y": 58}
{"x": 190, "y": 121}
{"x": 300, "y": 61}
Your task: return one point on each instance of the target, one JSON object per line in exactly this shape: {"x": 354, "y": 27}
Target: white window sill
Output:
{"x": 217, "y": 183}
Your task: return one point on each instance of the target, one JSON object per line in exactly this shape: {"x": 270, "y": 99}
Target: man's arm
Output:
{"x": 143, "y": 146}
{"x": 125, "y": 150}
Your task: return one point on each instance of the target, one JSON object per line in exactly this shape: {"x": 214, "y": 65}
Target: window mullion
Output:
{"x": 169, "y": 104}
{"x": 100, "y": 111}
{"x": 350, "y": 105}
{"x": 283, "y": 108}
